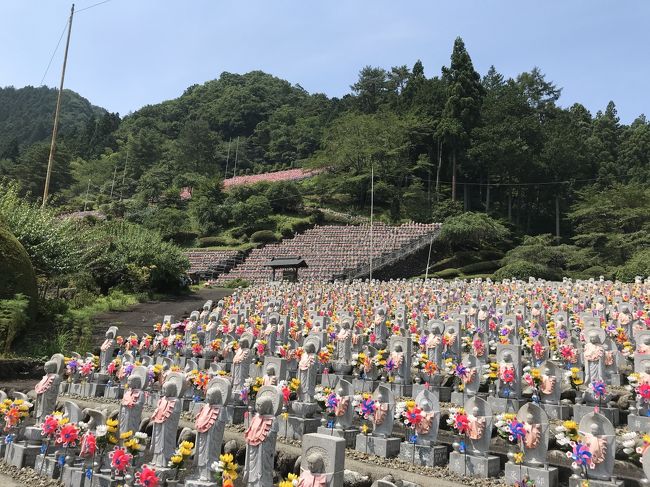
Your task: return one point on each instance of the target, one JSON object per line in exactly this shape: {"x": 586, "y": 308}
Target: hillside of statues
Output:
{"x": 478, "y": 383}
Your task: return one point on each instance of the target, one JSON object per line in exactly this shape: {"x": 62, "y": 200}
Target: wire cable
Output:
{"x": 54, "y": 53}
{"x": 91, "y": 6}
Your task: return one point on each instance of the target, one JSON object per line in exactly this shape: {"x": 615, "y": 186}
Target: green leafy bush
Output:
{"x": 481, "y": 267}
{"x": 13, "y": 318}
{"x": 448, "y": 273}
{"x": 264, "y": 236}
{"x": 523, "y": 270}
{"x": 472, "y": 231}
{"x": 235, "y": 283}
{"x": 213, "y": 242}
{"x": 136, "y": 259}
{"x": 638, "y": 265}
{"x": 16, "y": 270}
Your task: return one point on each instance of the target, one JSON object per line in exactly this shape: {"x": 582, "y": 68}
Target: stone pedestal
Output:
{"x": 165, "y": 475}
{"x": 542, "y": 477}
{"x": 638, "y": 423}
{"x": 503, "y": 405}
{"x": 376, "y": 445}
{"x": 365, "y": 385}
{"x": 63, "y": 387}
{"x": 349, "y": 435}
{"x": 444, "y": 392}
{"x": 554, "y": 411}
{"x": 104, "y": 480}
{"x": 577, "y": 482}
{"x": 113, "y": 392}
{"x": 330, "y": 380}
{"x": 96, "y": 390}
{"x": 82, "y": 389}
{"x": 295, "y": 427}
{"x": 474, "y": 466}
{"x": 424, "y": 455}
{"x": 617, "y": 380}
{"x": 48, "y": 466}
{"x": 76, "y": 477}
{"x": 235, "y": 413}
{"x": 151, "y": 399}
{"x": 401, "y": 390}
{"x": 581, "y": 410}
{"x": 21, "y": 455}
{"x": 459, "y": 398}
{"x": 199, "y": 483}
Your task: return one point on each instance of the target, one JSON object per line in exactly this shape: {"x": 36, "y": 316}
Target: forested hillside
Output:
{"x": 441, "y": 145}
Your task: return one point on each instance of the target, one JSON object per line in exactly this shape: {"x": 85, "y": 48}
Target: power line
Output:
{"x": 65, "y": 26}
{"x": 92, "y": 6}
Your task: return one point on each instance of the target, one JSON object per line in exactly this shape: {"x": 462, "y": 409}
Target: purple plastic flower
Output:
{"x": 562, "y": 334}
{"x": 516, "y": 430}
{"x": 332, "y": 401}
{"x": 367, "y": 407}
{"x": 598, "y": 386}
{"x": 460, "y": 371}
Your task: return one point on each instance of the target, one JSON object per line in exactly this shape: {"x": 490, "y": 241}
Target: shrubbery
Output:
{"x": 264, "y": 236}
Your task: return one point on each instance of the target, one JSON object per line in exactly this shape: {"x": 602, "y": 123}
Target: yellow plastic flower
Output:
{"x": 570, "y": 425}
{"x": 226, "y": 458}
{"x": 176, "y": 459}
{"x": 126, "y": 435}
{"x": 519, "y": 457}
{"x": 187, "y": 445}
{"x": 364, "y": 429}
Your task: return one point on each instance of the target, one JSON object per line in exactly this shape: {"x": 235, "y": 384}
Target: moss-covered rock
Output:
{"x": 16, "y": 269}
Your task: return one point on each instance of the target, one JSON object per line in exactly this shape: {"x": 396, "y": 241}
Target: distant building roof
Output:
{"x": 279, "y": 262}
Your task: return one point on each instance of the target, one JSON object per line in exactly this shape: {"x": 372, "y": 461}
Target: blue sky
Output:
{"x": 128, "y": 53}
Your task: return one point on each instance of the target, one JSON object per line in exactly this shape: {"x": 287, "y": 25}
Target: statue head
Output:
{"x": 426, "y": 406}
{"x": 507, "y": 356}
{"x": 315, "y": 463}
{"x": 398, "y": 348}
{"x": 134, "y": 382}
{"x": 529, "y": 418}
{"x": 646, "y": 340}
{"x": 547, "y": 371}
{"x": 244, "y": 343}
{"x": 594, "y": 339}
{"x": 345, "y": 325}
{"x": 646, "y": 367}
{"x": 593, "y": 428}
{"x": 310, "y": 348}
{"x": 484, "y": 307}
{"x": 213, "y": 396}
{"x": 50, "y": 367}
{"x": 270, "y": 369}
{"x": 475, "y": 411}
{"x": 264, "y": 406}
{"x": 169, "y": 389}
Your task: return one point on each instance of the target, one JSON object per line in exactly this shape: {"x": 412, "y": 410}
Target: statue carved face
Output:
{"x": 315, "y": 463}
{"x": 50, "y": 367}
{"x": 270, "y": 370}
{"x": 169, "y": 389}
{"x": 593, "y": 428}
{"x": 547, "y": 371}
{"x": 264, "y": 406}
{"x": 647, "y": 367}
{"x": 594, "y": 339}
{"x": 134, "y": 382}
{"x": 310, "y": 348}
{"x": 507, "y": 356}
{"x": 213, "y": 396}
{"x": 475, "y": 411}
{"x": 398, "y": 348}
{"x": 529, "y": 418}
{"x": 244, "y": 343}
{"x": 426, "y": 406}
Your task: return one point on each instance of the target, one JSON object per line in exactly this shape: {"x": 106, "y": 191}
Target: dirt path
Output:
{"x": 141, "y": 317}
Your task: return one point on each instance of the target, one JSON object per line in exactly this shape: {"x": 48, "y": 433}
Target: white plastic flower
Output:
{"x": 101, "y": 430}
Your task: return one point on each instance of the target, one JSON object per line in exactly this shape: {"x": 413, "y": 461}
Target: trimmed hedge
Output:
{"x": 448, "y": 273}
{"x": 213, "y": 242}
{"x": 523, "y": 270}
{"x": 481, "y": 267}
{"x": 264, "y": 236}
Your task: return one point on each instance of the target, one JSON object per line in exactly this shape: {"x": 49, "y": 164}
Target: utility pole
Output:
{"x": 87, "y": 191}
{"x": 372, "y": 211}
{"x": 50, "y": 159}
{"x": 124, "y": 173}
{"x": 236, "y": 157}
{"x": 113, "y": 183}
{"x": 225, "y": 175}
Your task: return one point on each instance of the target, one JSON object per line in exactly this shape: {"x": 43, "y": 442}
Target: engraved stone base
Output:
{"x": 21, "y": 455}
{"x": 459, "y": 398}
{"x": 349, "y": 435}
{"x": 444, "y": 392}
{"x": 364, "y": 385}
{"x": 48, "y": 466}
{"x": 199, "y": 483}
{"x": 542, "y": 477}
{"x": 474, "y": 466}
{"x": 555, "y": 411}
{"x": 638, "y": 423}
{"x": 577, "y": 482}
{"x": 235, "y": 414}
{"x": 63, "y": 388}
{"x": 294, "y": 427}
{"x": 75, "y": 477}
{"x": 33, "y": 436}
{"x": 113, "y": 392}
{"x": 581, "y": 410}
{"x": 401, "y": 390}
{"x": 503, "y": 405}
{"x": 376, "y": 445}
{"x": 104, "y": 480}
{"x": 426, "y": 456}
{"x": 81, "y": 389}
{"x": 151, "y": 399}
{"x": 96, "y": 390}
{"x": 617, "y": 380}
{"x": 330, "y": 380}
{"x": 165, "y": 474}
